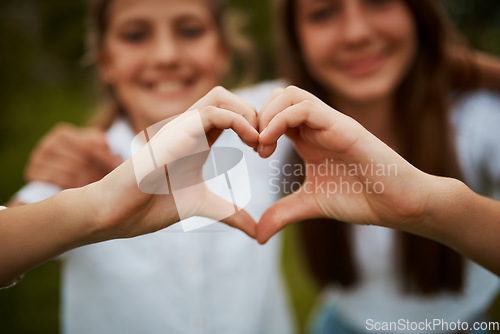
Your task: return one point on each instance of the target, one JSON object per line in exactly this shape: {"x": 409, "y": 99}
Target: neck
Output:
{"x": 373, "y": 115}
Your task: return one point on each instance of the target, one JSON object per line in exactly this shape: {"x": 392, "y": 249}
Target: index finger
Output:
{"x": 221, "y": 98}
{"x": 282, "y": 99}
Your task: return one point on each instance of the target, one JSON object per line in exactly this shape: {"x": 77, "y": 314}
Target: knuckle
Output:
{"x": 209, "y": 109}
{"x": 35, "y": 160}
{"x": 278, "y": 90}
{"x": 92, "y": 132}
{"x": 240, "y": 117}
{"x": 62, "y": 128}
{"x": 44, "y": 148}
{"x": 308, "y": 104}
{"x": 74, "y": 166}
{"x": 292, "y": 89}
{"x": 96, "y": 135}
{"x": 218, "y": 90}
{"x": 52, "y": 139}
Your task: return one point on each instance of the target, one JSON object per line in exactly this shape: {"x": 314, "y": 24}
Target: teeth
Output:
{"x": 168, "y": 86}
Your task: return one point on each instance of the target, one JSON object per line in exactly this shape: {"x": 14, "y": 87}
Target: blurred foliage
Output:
{"x": 41, "y": 79}
{"x": 42, "y": 82}
{"x": 478, "y": 20}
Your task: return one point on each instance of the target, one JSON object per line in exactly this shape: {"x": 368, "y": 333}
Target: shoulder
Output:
{"x": 476, "y": 106}
{"x": 476, "y": 116}
{"x": 476, "y": 119}
{"x": 259, "y": 93}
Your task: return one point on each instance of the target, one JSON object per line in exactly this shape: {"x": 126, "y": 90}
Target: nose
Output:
{"x": 356, "y": 25}
{"x": 164, "y": 50}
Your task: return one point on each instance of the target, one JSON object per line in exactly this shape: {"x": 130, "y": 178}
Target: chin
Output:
{"x": 371, "y": 92}
{"x": 170, "y": 109}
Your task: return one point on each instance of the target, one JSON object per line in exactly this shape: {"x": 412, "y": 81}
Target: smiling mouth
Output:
{"x": 364, "y": 66}
{"x": 169, "y": 87}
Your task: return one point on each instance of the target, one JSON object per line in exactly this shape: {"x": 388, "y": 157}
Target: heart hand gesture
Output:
{"x": 364, "y": 181}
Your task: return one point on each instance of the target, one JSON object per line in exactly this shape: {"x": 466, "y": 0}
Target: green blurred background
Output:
{"x": 43, "y": 82}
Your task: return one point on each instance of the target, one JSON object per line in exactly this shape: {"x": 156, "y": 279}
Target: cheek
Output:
{"x": 316, "y": 47}
{"x": 210, "y": 61}
{"x": 405, "y": 58}
{"x": 401, "y": 28}
{"x": 124, "y": 64}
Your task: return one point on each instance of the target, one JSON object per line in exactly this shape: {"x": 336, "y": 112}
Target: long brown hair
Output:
{"x": 229, "y": 24}
{"x": 421, "y": 115}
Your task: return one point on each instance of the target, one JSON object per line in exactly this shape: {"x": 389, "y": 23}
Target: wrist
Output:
{"x": 446, "y": 197}
{"x": 76, "y": 210}
{"x": 109, "y": 204}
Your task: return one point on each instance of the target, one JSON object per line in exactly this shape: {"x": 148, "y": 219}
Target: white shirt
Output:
{"x": 476, "y": 118}
{"x": 211, "y": 280}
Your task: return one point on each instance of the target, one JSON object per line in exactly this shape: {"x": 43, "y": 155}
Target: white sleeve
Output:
{"x": 36, "y": 191}
{"x": 477, "y": 117}
{"x": 488, "y": 130}
{"x": 492, "y": 143}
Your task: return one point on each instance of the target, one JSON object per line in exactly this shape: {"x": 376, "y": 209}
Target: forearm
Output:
{"x": 464, "y": 221}
{"x": 32, "y": 234}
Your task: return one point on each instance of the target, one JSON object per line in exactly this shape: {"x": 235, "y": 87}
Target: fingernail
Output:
{"x": 260, "y": 148}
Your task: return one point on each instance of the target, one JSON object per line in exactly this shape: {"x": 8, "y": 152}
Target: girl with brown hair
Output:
{"x": 382, "y": 57}
{"x": 157, "y": 58}
{"x": 386, "y": 64}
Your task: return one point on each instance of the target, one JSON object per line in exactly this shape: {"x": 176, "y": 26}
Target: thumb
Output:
{"x": 288, "y": 210}
{"x": 242, "y": 221}
{"x": 217, "y": 208}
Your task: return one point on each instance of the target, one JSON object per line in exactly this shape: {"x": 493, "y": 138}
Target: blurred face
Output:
{"x": 161, "y": 56}
{"x": 359, "y": 50}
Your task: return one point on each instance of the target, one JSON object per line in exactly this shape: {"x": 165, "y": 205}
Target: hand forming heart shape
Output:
{"x": 158, "y": 187}
{"x": 374, "y": 193}
{"x": 365, "y": 181}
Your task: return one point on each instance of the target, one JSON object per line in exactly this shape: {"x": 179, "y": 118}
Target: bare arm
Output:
{"x": 442, "y": 209}
{"x": 32, "y": 234}
{"x": 462, "y": 220}
{"x": 115, "y": 206}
